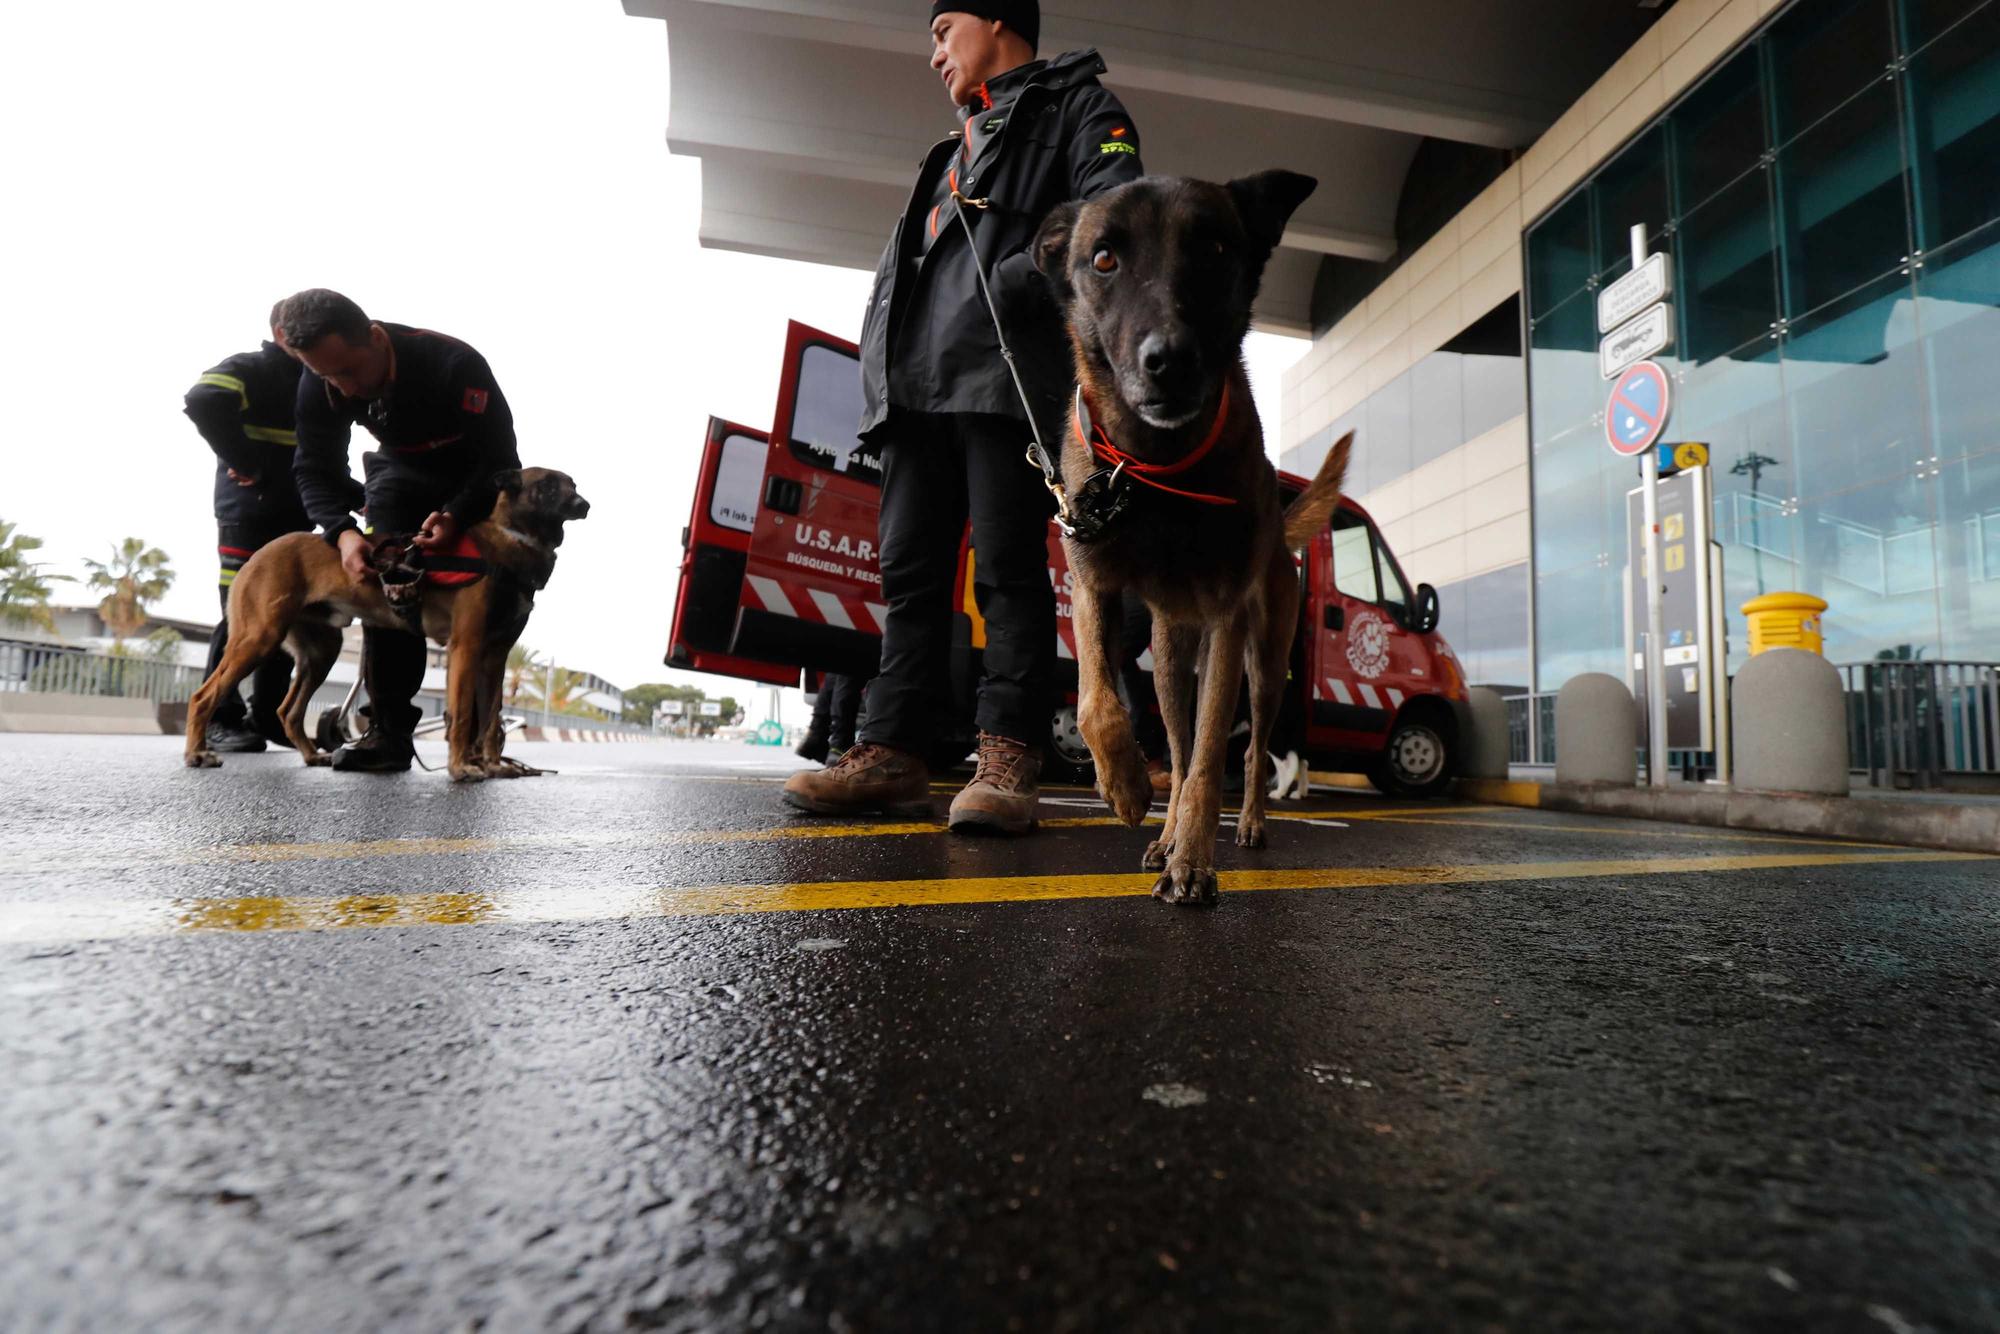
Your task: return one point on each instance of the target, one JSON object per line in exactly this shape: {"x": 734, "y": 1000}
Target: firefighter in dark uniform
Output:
{"x": 952, "y": 429}
{"x": 444, "y": 432}
{"x": 243, "y": 408}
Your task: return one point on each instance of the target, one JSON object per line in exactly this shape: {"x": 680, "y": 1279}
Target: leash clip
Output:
{"x": 1097, "y": 505}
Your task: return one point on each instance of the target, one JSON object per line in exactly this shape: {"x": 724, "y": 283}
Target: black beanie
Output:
{"x": 1023, "y": 16}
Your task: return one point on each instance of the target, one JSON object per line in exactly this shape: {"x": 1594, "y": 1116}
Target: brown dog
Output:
{"x": 294, "y": 592}
{"x": 1157, "y": 279}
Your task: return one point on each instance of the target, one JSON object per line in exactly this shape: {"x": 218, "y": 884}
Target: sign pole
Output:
{"x": 1656, "y": 679}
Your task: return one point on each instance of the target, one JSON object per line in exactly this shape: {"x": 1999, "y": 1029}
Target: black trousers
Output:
{"x": 393, "y": 661}
{"x": 235, "y": 544}
{"x": 938, "y": 471}
{"x": 836, "y": 707}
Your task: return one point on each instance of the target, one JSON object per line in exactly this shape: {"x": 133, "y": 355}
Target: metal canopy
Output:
{"x": 809, "y": 116}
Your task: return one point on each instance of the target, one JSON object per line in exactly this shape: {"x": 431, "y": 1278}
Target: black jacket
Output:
{"x": 927, "y": 342}
{"x": 243, "y": 408}
{"x": 444, "y": 428}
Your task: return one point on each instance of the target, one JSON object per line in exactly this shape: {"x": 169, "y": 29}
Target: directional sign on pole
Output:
{"x": 1650, "y": 282}
{"x": 1636, "y": 412}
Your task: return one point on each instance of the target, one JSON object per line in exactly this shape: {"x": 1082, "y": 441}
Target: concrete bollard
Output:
{"x": 1597, "y": 731}
{"x": 1486, "y": 749}
{"x": 1788, "y": 711}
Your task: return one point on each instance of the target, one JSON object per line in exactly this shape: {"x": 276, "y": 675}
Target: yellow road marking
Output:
{"x": 363, "y": 849}
{"x": 1725, "y": 836}
{"x": 367, "y": 849}
{"x": 86, "y": 920}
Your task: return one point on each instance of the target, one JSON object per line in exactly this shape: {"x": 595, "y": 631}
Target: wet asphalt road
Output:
{"x": 285, "y": 1049}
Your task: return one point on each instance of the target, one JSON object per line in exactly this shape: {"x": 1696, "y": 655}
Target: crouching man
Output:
{"x": 443, "y": 433}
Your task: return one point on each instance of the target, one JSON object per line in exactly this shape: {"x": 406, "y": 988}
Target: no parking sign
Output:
{"x": 1636, "y": 413}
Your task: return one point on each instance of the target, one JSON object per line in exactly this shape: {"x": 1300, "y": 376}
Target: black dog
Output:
{"x": 1157, "y": 278}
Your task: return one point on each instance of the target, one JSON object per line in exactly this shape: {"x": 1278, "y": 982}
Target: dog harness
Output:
{"x": 404, "y": 569}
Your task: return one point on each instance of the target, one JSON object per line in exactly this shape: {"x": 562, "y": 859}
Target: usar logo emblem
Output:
{"x": 1368, "y": 645}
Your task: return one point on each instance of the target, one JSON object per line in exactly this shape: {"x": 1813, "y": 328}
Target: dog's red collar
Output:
{"x": 1097, "y": 442}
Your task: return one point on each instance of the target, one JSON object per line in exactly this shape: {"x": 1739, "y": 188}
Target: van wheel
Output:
{"x": 1416, "y": 761}
{"x": 1067, "y": 756}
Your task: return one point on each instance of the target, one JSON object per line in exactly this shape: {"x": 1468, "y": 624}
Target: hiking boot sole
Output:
{"x": 987, "y": 824}
{"x": 903, "y": 810}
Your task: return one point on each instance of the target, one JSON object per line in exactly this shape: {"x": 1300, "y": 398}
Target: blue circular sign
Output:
{"x": 1636, "y": 413}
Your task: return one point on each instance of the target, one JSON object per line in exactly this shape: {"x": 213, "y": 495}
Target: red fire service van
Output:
{"x": 780, "y": 582}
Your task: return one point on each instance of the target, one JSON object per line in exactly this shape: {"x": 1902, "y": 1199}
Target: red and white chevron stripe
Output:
{"x": 1345, "y": 692}
{"x": 821, "y": 606}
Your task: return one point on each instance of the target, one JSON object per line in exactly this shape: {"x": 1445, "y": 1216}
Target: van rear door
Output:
{"x": 714, "y": 548}
{"x": 812, "y": 586}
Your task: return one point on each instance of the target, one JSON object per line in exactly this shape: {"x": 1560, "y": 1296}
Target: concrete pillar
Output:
{"x": 1597, "y": 731}
{"x": 1789, "y": 712}
{"x": 1486, "y": 746}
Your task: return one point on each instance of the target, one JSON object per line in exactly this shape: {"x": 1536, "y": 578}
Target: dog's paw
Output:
{"x": 467, "y": 773}
{"x": 1188, "y": 886}
{"x": 1250, "y": 833}
{"x": 1129, "y": 790}
{"x": 1156, "y": 856}
{"x": 320, "y": 760}
{"x": 204, "y": 759}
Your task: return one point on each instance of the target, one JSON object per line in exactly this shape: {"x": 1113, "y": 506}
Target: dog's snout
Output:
{"x": 1165, "y": 354}
{"x": 579, "y": 508}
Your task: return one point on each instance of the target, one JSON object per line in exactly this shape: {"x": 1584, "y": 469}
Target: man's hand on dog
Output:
{"x": 354, "y": 549}
{"x": 440, "y": 530}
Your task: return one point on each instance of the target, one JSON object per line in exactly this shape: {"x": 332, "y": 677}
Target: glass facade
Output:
{"x": 1831, "y": 197}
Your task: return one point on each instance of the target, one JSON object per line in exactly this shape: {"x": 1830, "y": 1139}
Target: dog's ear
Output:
{"x": 1051, "y": 248}
{"x": 1266, "y": 203}
{"x": 507, "y": 481}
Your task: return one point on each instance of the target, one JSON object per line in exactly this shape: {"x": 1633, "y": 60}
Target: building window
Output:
{"x": 1830, "y": 201}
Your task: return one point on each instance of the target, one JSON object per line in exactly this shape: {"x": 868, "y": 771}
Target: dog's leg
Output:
{"x": 1266, "y": 652}
{"x": 468, "y": 637}
{"x": 1174, "y": 650}
{"x": 493, "y": 732}
{"x": 1100, "y": 715}
{"x": 1190, "y": 874}
{"x": 252, "y": 637}
{"x": 314, "y": 649}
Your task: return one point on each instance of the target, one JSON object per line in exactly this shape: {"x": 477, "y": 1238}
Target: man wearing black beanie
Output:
{"x": 952, "y": 430}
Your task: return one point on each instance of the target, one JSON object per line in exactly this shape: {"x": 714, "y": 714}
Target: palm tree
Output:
{"x": 522, "y": 665}
{"x": 133, "y": 579}
{"x": 565, "y": 689}
{"x": 24, "y": 589}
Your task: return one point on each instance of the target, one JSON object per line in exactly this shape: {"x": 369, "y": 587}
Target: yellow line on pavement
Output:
{"x": 85, "y": 919}
{"x": 1624, "y": 830}
{"x": 444, "y": 847}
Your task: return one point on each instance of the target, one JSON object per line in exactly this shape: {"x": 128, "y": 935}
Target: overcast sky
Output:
{"x": 495, "y": 169}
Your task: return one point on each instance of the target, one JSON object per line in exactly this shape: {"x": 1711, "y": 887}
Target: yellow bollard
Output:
{"x": 1785, "y": 620}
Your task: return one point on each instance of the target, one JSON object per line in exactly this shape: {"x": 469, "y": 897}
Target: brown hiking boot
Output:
{"x": 1000, "y": 799}
{"x": 867, "y": 779}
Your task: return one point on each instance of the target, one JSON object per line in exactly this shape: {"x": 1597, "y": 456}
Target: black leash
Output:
{"x": 1102, "y": 498}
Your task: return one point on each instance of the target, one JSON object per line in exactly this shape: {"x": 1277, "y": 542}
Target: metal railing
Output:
{"x": 1531, "y": 729}
{"x": 61, "y": 670}
{"x": 1916, "y": 724}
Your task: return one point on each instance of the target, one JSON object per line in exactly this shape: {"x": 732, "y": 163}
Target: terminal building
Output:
{"x": 1821, "y": 173}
